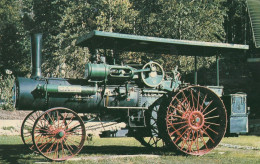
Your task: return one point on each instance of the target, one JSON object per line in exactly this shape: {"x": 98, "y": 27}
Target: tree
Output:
{"x": 13, "y": 55}
{"x": 81, "y": 17}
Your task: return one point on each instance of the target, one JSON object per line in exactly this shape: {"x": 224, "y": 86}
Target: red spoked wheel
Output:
{"x": 196, "y": 120}
{"x": 27, "y": 127}
{"x": 59, "y": 134}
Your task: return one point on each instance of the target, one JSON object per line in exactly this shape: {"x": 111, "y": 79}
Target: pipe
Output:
{"x": 36, "y": 48}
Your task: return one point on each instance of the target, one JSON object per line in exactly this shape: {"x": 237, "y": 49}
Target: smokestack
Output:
{"x": 36, "y": 48}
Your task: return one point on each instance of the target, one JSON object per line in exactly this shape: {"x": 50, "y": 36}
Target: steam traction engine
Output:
{"x": 156, "y": 108}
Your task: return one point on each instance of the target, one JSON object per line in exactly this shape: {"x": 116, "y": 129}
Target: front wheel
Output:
{"x": 59, "y": 134}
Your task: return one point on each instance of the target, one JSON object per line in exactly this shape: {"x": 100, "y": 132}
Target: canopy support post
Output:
{"x": 196, "y": 71}
{"x": 217, "y": 62}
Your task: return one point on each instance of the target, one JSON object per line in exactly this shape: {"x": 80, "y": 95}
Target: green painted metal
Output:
{"x": 61, "y": 134}
{"x": 36, "y": 44}
{"x": 103, "y": 71}
{"x": 52, "y": 88}
{"x": 217, "y": 62}
{"x": 254, "y": 14}
{"x": 196, "y": 70}
{"x": 135, "y": 43}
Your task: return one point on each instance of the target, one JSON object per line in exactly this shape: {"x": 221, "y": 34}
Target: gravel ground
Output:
{"x": 13, "y": 115}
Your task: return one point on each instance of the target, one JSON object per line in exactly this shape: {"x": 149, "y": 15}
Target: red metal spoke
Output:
{"x": 177, "y": 130}
{"x": 176, "y": 123}
{"x": 203, "y": 102}
{"x": 50, "y": 148}
{"x": 67, "y": 146}
{"x": 208, "y": 135}
{"x": 197, "y": 141}
{"x": 192, "y": 139}
{"x": 207, "y": 127}
{"x": 211, "y": 117}
{"x": 57, "y": 150}
{"x": 73, "y": 143}
{"x": 173, "y": 115}
{"x": 44, "y": 145}
{"x": 198, "y": 104}
{"x": 207, "y": 106}
{"x": 180, "y": 136}
{"x": 188, "y": 136}
{"x": 212, "y": 123}
{"x": 62, "y": 149}
{"x": 186, "y": 100}
{"x": 210, "y": 111}
{"x": 183, "y": 142}
{"x": 201, "y": 138}
{"x": 192, "y": 98}
{"x": 176, "y": 109}
{"x": 69, "y": 122}
{"x": 41, "y": 129}
{"x": 73, "y": 126}
{"x": 181, "y": 103}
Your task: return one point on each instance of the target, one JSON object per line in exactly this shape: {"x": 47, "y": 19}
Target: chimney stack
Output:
{"x": 36, "y": 50}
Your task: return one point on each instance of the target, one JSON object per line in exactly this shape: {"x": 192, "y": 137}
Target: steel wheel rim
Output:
{"x": 59, "y": 134}
{"x": 196, "y": 120}
{"x": 27, "y": 127}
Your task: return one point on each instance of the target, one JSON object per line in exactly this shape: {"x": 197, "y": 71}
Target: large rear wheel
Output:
{"x": 194, "y": 121}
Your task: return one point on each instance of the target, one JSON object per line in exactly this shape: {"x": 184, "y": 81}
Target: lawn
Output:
{"x": 128, "y": 150}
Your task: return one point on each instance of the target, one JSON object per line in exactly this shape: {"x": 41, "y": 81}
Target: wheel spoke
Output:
{"x": 210, "y": 111}
{"x": 212, "y": 117}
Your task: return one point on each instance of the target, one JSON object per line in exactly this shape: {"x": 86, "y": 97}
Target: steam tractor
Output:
{"x": 155, "y": 107}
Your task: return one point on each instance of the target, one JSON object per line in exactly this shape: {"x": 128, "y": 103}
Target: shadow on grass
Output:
{"x": 21, "y": 154}
{"x": 122, "y": 150}
{"x": 17, "y": 154}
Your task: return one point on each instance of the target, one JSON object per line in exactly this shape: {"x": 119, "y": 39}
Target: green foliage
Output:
{"x": 13, "y": 51}
{"x": 180, "y": 19}
{"x": 6, "y": 84}
{"x": 80, "y": 18}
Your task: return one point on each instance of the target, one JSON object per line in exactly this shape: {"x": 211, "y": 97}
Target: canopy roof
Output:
{"x": 254, "y": 14}
{"x": 135, "y": 43}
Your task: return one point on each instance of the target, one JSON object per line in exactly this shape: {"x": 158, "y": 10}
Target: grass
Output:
{"x": 114, "y": 150}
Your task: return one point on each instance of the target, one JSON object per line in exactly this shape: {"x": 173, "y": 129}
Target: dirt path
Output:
{"x": 13, "y": 115}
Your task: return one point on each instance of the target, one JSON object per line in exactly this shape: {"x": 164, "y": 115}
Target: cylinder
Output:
{"x": 36, "y": 48}
{"x": 99, "y": 72}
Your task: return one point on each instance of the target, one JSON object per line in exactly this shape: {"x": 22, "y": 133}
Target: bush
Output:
{"x": 6, "y": 84}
